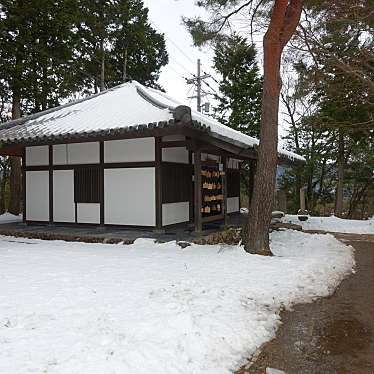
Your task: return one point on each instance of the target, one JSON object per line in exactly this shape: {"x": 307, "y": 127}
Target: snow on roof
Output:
{"x": 129, "y": 104}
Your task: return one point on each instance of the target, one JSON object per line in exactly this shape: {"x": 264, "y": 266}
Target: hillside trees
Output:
{"x": 341, "y": 103}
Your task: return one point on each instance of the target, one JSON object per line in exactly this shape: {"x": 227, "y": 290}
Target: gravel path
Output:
{"x": 332, "y": 335}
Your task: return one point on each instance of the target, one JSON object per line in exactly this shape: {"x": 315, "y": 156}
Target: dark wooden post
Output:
{"x": 102, "y": 207}
{"x": 198, "y": 192}
{"x": 158, "y": 185}
{"x": 192, "y": 200}
{"x": 224, "y": 187}
{"x": 24, "y": 184}
{"x": 240, "y": 185}
{"x": 50, "y": 170}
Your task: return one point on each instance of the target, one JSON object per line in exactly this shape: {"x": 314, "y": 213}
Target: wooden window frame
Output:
{"x": 87, "y": 185}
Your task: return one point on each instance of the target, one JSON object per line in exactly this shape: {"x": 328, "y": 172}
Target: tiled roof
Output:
{"x": 124, "y": 107}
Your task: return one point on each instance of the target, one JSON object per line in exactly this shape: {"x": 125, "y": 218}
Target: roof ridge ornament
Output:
{"x": 182, "y": 113}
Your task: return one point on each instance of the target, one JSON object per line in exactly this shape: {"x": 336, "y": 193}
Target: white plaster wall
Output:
{"x": 60, "y": 154}
{"x": 37, "y": 195}
{"x": 63, "y": 196}
{"x": 88, "y": 213}
{"x": 175, "y": 154}
{"x": 129, "y": 196}
{"x": 175, "y": 213}
{"x": 83, "y": 153}
{"x": 38, "y": 155}
{"x": 129, "y": 150}
{"x": 232, "y": 204}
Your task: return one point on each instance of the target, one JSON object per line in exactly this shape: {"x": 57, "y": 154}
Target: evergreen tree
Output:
{"x": 336, "y": 134}
{"x": 53, "y": 49}
{"x": 119, "y": 43}
{"x": 37, "y": 50}
{"x": 36, "y": 58}
{"x": 241, "y": 85}
{"x": 343, "y": 100}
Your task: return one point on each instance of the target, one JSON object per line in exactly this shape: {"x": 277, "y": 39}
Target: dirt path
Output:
{"x": 332, "y": 335}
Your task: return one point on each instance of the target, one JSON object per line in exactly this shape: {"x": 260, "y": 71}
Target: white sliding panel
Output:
{"x": 36, "y": 156}
{"x": 63, "y": 196}
{"x": 129, "y": 196}
{"x": 129, "y": 150}
{"x": 83, "y": 153}
{"x": 37, "y": 195}
{"x": 60, "y": 154}
{"x": 88, "y": 213}
{"x": 175, "y": 213}
{"x": 175, "y": 154}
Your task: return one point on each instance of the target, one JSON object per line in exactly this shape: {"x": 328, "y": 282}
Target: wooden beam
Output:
{"x": 231, "y": 148}
{"x": 214, "y": 150}
{"x": 198, "y": 191}
{"x": 12, "y": 150}
{"x": 219, "y": 217}
{"x": 158, "y": 181}
{"x": 110, "y": 165}
{"x": 173, "y": 144}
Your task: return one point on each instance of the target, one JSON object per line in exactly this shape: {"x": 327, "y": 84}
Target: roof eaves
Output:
{"x": 96, "y": 134}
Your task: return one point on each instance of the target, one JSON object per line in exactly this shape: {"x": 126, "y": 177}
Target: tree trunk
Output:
{"x": 15, "y": 180}
{"x": 284, "y": 20}
{"x": 102, "y": 67}
{"x": 340, "y": 181}
{"x": 124, "y": 76}
{"x": 264, "y": 186}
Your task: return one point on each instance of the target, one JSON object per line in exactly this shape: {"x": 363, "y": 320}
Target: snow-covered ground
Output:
{"x": 8, "y": 218}
{"x": 153, "y": 308}
{"x": 334, "y": 224}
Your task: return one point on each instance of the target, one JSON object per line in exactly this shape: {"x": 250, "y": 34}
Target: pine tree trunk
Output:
{"x": 264, "y": 186}
{"x": 340, "y": 181}
{"x": 284, "y": 20}
{"x": 102, "y": 67}
{"x": 125, "y": 57}
{"x": 15, "y": 179}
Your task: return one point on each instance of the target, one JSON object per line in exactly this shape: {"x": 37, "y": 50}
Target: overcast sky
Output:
{"x": 166, "y": 17}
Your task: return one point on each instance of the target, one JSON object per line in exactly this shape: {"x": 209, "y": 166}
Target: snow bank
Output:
{"x": 8, "y": 218}
{"x": 334, "y": 224}
{"x": 153, "y": 308}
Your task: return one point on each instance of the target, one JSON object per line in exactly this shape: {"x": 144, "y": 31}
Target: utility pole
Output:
{"x": 197, "y": 81}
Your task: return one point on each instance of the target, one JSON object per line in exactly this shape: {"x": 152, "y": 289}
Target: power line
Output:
{"x": 175, "y": 44}
{"x": 215, "y": 80}
{"x": 178, "y": 63}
